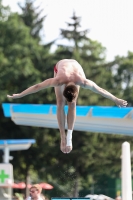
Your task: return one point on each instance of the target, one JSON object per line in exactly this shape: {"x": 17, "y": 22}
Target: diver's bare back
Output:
{"x": 70, "y": 71}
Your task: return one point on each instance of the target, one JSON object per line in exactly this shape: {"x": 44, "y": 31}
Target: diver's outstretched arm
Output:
{"x": 52, "y": 82}
{"x": 95, "y": 88}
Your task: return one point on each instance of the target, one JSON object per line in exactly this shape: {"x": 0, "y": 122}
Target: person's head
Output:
{"x": 70, "y": 92}
{"x": 35, "y": 191}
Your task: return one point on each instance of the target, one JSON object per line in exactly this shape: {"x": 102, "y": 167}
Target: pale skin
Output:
{"x": 69, "y": 72}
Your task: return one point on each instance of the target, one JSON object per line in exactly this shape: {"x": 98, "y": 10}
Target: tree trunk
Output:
{"x": 76, "y": 188}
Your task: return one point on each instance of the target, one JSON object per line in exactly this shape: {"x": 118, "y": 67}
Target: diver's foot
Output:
{"x": 69, "y": 142}
{"x": 68, "y": 149}
{"x": 63, "y": 144}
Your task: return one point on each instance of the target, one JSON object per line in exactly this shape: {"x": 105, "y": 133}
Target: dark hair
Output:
{"x": 70, "y": 92}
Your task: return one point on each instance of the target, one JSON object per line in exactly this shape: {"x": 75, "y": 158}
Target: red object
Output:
{"x": 21, "y": 185}
{"x": 29, "y": 186}
{"x": 55, "y": 69}
{"x": 14, "y": 185}
{"x": 18, "y": 185}
{"x": 46, "y": 186}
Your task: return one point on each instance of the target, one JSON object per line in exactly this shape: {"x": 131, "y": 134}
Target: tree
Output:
{"x": 123, "y": 76}
{"x": 4, "y": 11}
{"x": 18, "y": 70}
{"x": 73, "y": 34}
{"x": 32, "y": 17}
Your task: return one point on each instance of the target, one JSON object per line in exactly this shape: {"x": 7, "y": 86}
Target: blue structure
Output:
{"x": 97, "y": 111}
{"x": 14, "y": 145}
{"x": 72, "y": 198}
{"x": 89, "y": 118}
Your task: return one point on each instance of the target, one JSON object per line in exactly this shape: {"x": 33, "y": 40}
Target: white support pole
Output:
{"x": 6, "y": 154}
{"x": 6, "y": 160}
{"x": 126, "y": 172}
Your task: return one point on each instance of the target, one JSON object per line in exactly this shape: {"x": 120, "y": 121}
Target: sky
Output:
{"x": 110, "y": 21}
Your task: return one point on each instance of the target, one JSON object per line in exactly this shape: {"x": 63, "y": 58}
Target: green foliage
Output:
{"x": 23, "y": 63}
{"x": 17, "y": 49}
{"x": 123, "y": 76}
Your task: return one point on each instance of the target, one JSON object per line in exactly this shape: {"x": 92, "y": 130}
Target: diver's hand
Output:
{"x": 14, "y": 96}
{"x": 121, "y": 103}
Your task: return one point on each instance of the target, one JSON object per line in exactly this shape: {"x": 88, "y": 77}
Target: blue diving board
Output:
{"x": 88, "y": 118}
{"x": 96, "y": 111}
{"x": 16, "y": 141}
{"x": 110, "y": 112}
{"x": 25, "y": 108}
{"x": 8, "y": 145}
